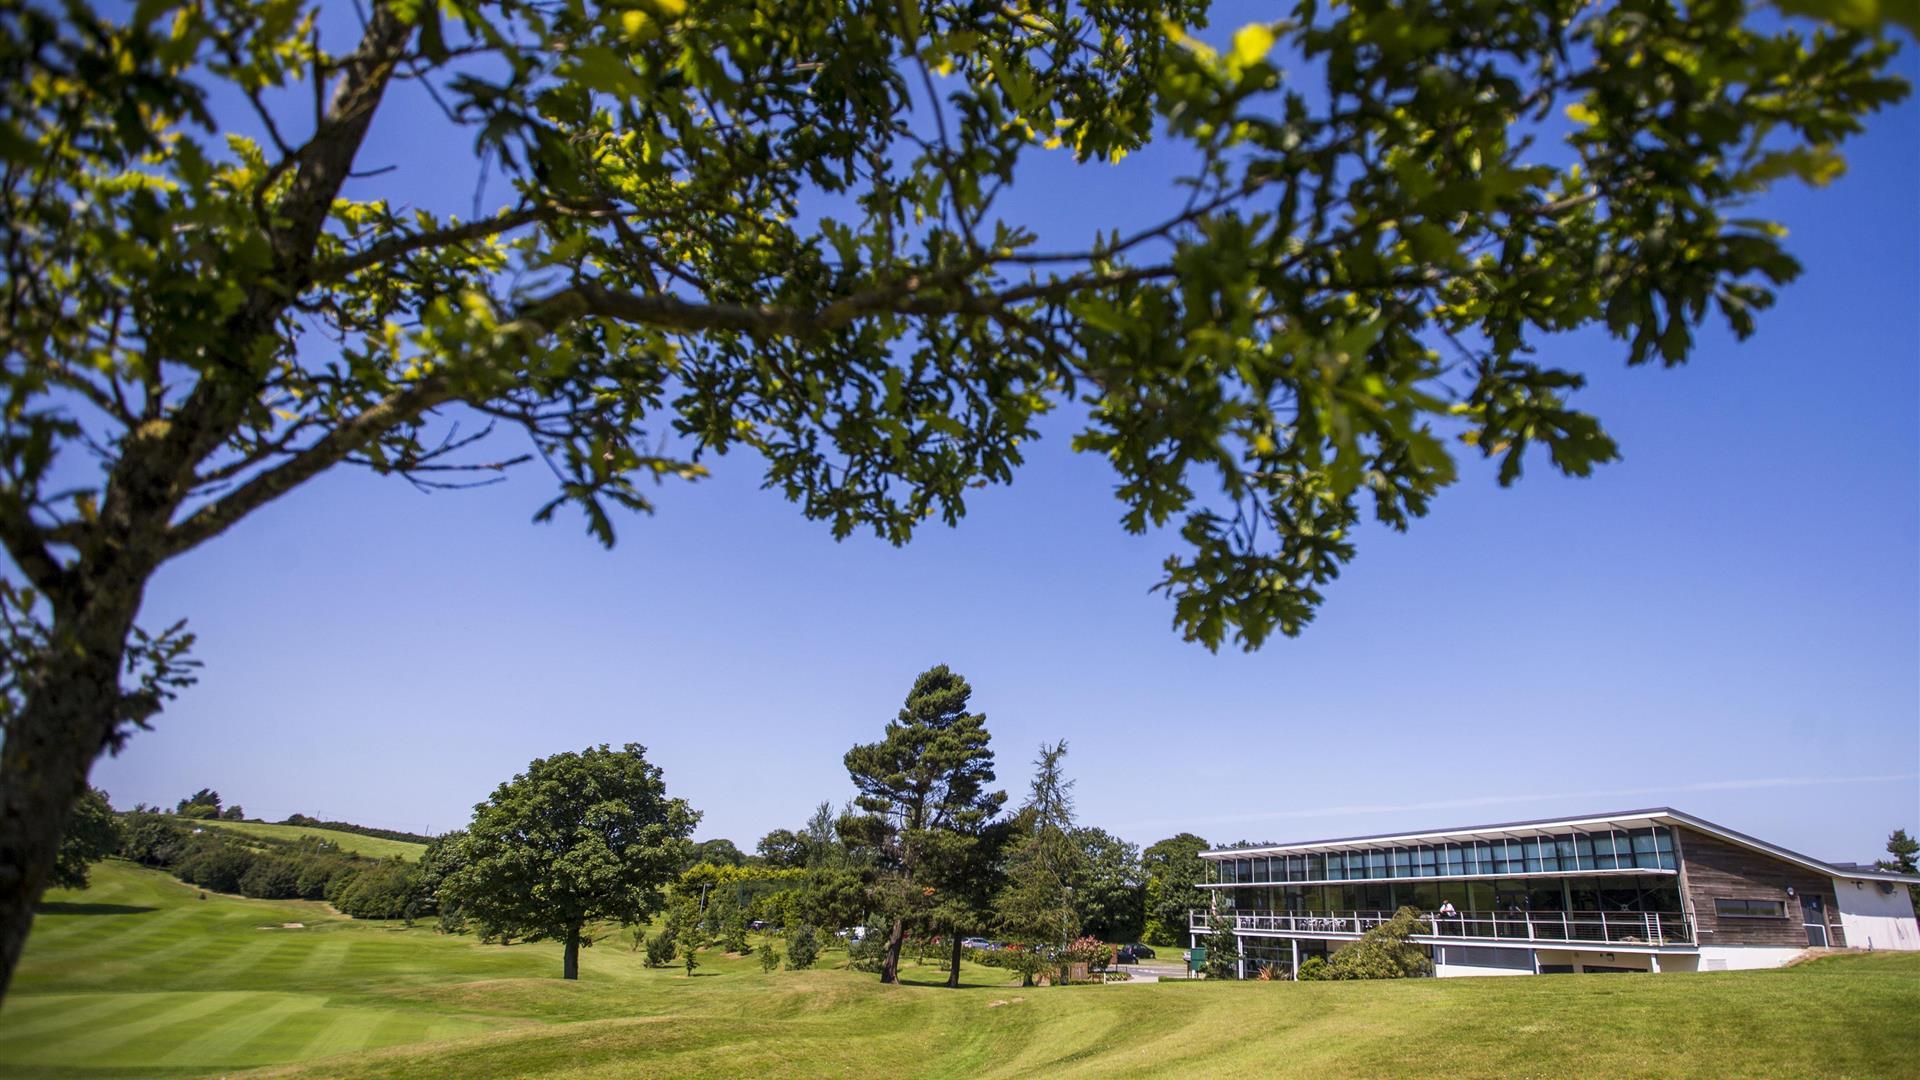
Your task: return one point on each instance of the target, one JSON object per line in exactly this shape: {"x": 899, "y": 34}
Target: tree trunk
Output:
{"x": 890, "y": 967}
{"x": 953, "y": 973}
{"x": 570, "y": 964}
{"x": 49, "y": 747}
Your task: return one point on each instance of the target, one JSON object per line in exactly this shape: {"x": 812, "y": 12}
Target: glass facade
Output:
{"x": 1626, "y": 892}
{"x": 1608, "y": 849}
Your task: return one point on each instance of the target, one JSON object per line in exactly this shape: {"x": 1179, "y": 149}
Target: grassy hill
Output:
{"x": 365, "y": 845}
{"x": 139, "y": 977}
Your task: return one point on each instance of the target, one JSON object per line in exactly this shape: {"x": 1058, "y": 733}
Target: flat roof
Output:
{"x": 1623, "y": 819}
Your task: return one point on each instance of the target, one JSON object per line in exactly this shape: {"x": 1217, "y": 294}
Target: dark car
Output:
{"x": 1132, "y": 954}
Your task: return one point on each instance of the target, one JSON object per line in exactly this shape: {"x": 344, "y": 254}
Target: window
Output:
{"x": 1749, "y": 909}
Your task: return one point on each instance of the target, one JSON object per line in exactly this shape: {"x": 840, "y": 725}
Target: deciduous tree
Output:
{"x": 1111, "y": 897}
{"x": 92, "y": 834}
{"x": 1173, "y": 870}
{"x": 576, "y": 838}
{"x": 769, "y": 225}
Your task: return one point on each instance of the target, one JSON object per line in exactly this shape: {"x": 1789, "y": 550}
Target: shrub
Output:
{"x": 385, "y": 890}
{"x": 199, "y": 811}
{"x": 316, "y": 872}
{"x": 271, "y": 878}
{"x": 768, "y": 958}
{"x": 734, "y": 935}
{"x": 1089, "y": 951}
{"x": 215, "y": 865}
{"x": 802, "y": 949}
{"x": 1312, "y": 969}
{"x": 339, "y": 882}
{"x": 867, "y": 954}
{"x": 452, "y": 921}
{"x": 152, "y": 840}
{"x": 661, "y": 949}
{"x": 1384, "y": 952}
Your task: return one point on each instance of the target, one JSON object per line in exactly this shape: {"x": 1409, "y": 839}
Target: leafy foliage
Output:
{"x": 802, "y": 948}
{"x": 1904, "y": 851}
{"x": 1173, "y": 870}
{"x": 1223, "y": 949}
{"x": 1110, "y": 897}
{"x": 92, "y": 834}
{"x": 1036, "y": 904}
{"x": 772, "y": 226}
{"x": 578, "y": 837}
{"x": 1383, "y": 952}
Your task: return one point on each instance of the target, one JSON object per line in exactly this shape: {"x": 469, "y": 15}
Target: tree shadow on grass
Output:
{"x": 58, "y": 907}
{"x": 938, "y": 980}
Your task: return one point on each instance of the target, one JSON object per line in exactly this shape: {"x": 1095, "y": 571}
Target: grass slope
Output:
{"x": 139, "y": 977}
{"x": 365, "y": 845}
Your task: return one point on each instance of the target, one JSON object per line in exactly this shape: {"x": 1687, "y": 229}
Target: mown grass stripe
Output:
{"x": 221, "y": 1038}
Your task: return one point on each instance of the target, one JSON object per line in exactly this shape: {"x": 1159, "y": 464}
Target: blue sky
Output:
{"x": 1727, "y": 621}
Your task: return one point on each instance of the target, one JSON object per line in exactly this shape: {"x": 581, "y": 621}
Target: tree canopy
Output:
{"x": 92, "y": 835}
{"x": 1173, "y": 869}
{"x": 772, "y": 226}
{"x": 576, "y": 838}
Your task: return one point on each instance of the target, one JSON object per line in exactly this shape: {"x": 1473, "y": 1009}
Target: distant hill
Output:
{"x": 378, "y": 847}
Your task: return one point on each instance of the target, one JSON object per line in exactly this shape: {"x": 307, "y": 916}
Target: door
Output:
{"x": 1816, "y": 919}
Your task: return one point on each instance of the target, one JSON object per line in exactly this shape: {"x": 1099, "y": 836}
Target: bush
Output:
{"x": 386, "y": 890}
{"x": 199, "y": 811}
{"x": 867, "y": 954}
{"x": 1384, "y": 952}
{"x": 271, "y": 878}
{"x": 215, "y": 866}
{"x": 802, "y": 949}
{"x": 1312, "y": 969}
{"x": 339, "y": 882}
{"x": 735, "y": 935}
{"x": 1089, "y": 951}
{"x": 316, "y": 873}
{"x": 661, "y": 949}
{"x": 152, "y": 840}
{"x": 768, "y": 958}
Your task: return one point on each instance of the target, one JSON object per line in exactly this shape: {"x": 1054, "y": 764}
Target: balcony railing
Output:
{"x": 1573, "y": 927}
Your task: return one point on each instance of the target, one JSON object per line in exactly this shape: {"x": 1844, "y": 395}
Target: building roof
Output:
{"x": 1625, "y": 819}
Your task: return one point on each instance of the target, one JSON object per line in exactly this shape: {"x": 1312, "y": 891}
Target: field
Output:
{"x": 138, "y": 976}
{"x": 364, "y": 845}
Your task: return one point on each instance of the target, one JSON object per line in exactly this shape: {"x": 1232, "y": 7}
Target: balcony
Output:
{"x": 1545, "y": 927}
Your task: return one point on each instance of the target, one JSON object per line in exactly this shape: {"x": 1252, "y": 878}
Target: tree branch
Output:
{"x": 397, "y": 246}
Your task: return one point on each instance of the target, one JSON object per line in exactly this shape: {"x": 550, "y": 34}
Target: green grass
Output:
{"x": 365, "y": 845}
{"x": 139, "y": 977}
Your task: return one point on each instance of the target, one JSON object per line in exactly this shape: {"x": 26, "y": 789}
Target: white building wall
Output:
{"x": 1874, "y": 918}
{"x": 1744, "y": 957}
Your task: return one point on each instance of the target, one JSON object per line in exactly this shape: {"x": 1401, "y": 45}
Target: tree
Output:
{"x": 1386, "y": 951}
{"x": 93, "y": 833}
{"x": 782, "y": 848}
{"x": 692, "y": 937}
{"x": 1173, "y": 870}
{"x": 1223, "y": 949}
{"x": 576, "y": 838}
{"x": 1111, "y": 896}
{"x": 444, "y": 857}
{"x": 720, "y": 852}
{"x": 203, "y": 322}
{"x": 802, "y": 948}
{"x": 204, "y": 803}
{"x": 1905, "y": 850}
{"x": 236, "y": 812}
{"x": 928, "y": 776}
{"x": 1036, "y": 905}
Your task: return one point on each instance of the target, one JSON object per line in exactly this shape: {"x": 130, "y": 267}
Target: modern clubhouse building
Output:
{"x": 1643, "y": 890}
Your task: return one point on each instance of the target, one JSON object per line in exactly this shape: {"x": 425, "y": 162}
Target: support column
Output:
{"x": 1240, "y": 962}
{"x": 1296, "y": 958}
{"x": 1654, "y": 959}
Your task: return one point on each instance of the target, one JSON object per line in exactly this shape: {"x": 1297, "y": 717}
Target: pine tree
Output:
{"x": 1905, "y": 851}
{"x": 1036, "y": 906}
{"x": 1223, "y": 949}
{"x": 926, "y": 778}
{"x": 802, "y": 949}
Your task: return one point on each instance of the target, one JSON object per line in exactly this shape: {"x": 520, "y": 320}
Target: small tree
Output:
{"x": 1173, "y": 869}
{"x": 1223, "y": 949}
{"x": 576, "y": 838}
{"x": 1384, "y": 952}
{"x": 802, "y": 948}
{"x": 93, "y": 833}
{"x": 661, "y": 949}
{"x": 768, "y": 958}
{"x": 734, "y": 934}
{"x": 1905, "y": 851}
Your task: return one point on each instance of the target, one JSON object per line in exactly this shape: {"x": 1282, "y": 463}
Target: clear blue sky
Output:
{"x": 1728, "y": 621}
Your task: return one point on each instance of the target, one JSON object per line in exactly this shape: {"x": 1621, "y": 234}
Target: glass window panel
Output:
{"x": 1644, "y": 855}
{"x": 1402, "y": 863}
{"x": 1482, "y": 895}
{"x": 1376, "y": 864}
{"x": 1316, "y": 868}
{"x": 1336, "y": 866}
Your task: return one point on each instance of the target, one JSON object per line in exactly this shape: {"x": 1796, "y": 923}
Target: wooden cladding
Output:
{"x": 1712, "y": 869}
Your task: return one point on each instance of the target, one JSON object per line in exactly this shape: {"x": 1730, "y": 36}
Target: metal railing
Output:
{"x": 1602, "y": 927}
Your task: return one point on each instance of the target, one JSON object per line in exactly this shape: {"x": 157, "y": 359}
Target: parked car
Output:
{"x": 1132, "y": 954}
{"x": 975, "y": 943}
